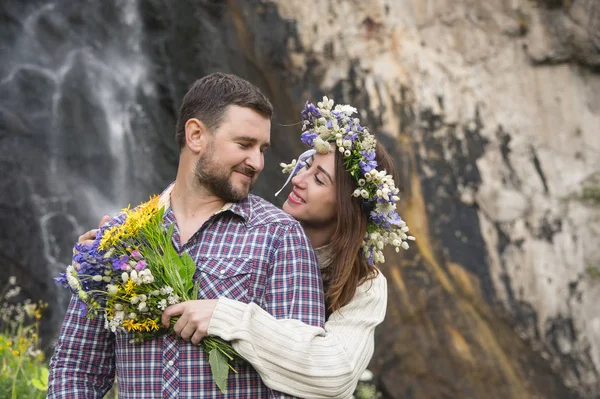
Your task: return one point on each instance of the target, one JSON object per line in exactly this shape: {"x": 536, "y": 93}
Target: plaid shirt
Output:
{"x": 250, "y": 252}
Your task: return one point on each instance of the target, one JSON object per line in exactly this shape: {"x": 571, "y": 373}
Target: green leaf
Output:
{"x": 39, "y": 384}
{"x": 219, "y": 368}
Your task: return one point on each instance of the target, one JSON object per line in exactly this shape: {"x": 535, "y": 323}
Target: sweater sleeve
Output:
{"x": 303, "y": 360}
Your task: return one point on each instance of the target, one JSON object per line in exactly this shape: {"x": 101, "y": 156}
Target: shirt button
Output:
{"x": 170, "y": 363}
{"x": 222, "y": 271}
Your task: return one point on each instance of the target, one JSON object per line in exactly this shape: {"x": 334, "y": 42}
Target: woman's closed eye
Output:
{"x": 319, "y": 182}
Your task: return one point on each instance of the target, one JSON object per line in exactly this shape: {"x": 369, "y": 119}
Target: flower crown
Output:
{"x": 323, "y": 127}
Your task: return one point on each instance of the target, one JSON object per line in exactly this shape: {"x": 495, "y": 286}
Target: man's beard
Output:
{"x": 207, "y": 174}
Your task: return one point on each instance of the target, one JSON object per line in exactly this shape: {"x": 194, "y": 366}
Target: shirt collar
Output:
{"x": 242, "y": 208}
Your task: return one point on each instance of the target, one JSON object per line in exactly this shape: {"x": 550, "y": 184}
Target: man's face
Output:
{"x": 234, "y": 155}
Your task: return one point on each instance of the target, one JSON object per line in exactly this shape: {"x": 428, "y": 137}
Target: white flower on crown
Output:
{"x": 322, "y": 146}
{"x": 345, "y": 108}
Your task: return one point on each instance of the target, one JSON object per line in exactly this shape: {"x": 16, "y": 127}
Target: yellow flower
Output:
{"x": 129, "y": 287}
{"x": 15, "y": 352}
{"x": 151, "y": 325}
{"x": 129, "y": 325}
{"x": 135, "y": 220}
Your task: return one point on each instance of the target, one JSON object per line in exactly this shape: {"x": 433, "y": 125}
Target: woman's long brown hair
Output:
{"x": 349, "y": 268}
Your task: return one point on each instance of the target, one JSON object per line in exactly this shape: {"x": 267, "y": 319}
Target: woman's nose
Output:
{"x": 298, "y": 180}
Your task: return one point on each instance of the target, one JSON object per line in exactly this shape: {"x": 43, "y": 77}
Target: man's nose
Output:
{"x": 256, "y": 160}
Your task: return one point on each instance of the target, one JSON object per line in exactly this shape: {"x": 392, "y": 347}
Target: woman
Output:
{"x": 340, "y": 192}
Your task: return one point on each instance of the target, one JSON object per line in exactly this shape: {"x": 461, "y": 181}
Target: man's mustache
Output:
{"x": 248, "y": 171}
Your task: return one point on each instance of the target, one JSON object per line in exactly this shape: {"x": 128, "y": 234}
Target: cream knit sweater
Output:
{"x": 302, "y": 360}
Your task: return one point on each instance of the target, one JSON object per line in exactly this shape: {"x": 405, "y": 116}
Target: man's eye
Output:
{"x": 244, "y": 145}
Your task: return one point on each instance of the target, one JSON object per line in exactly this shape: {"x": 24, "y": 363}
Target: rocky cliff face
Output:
{"x": 491, "y": 110}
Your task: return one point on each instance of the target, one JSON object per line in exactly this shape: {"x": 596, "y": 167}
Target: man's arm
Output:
{"x": 83, "y": 364}
{"x": 295, "y": 287}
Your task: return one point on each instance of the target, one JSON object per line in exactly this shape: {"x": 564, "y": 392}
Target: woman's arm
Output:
{"x": 302, "y": 360}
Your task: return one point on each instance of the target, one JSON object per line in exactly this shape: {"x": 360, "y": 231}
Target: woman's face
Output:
{"x": 313, "y": 200}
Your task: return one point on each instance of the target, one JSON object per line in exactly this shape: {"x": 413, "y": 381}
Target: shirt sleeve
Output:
{"x": 303, "y": 360}
{"x": 83, "y": 362}
{"x": 295, "y": 287}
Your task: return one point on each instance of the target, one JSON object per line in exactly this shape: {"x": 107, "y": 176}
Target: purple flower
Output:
{"x": 141, "y": 265}
{"x": 135, "y": 254}
{"x": 308, "y": 138}
{"x": 82, "y": 308}
{"x": 120, "y": 263}
{"x": 62, "y": 280}
{"x": 371, "y": 162}
{"x": 310, "y": 111}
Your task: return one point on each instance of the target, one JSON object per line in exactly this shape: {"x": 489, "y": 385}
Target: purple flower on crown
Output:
{"x": 370, "y": 163}
{"x": 308, "y": 138}
{"x": 310, "y": 111}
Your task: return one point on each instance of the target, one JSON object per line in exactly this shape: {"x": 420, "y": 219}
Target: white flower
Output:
{"x": 131, "y": 316}
{"x": 106, "y": 279}
{"x": 142, "y": 307}
{"x": 134, "y": 276}
{"x": 173, "y": 299}
{"x": 118, "y": 307}
{"x": 404, "y": 245}
{"x": 287, "y": 168}
{"x": 356, "y": 193}
{"x": 111, "y": 289}
{"x": 322, "y": 146}
{"x": 347, "y": 153}
{"x": 323, "y": 132}
{"x": 162, "y": 305}
{"x": 134, "y": 300}
{"x": 124, "y": 277}
{"x": 12, "y": 280}
{"x": 361, "y": 182}
{"x": 364, "y": 193}
{"x": 367, "y": 375}
{"x": 345, "y": 108}
{"x": 166, "y": 290}
{"x": 97, "y": 277}
{"x": 109, "y": 253}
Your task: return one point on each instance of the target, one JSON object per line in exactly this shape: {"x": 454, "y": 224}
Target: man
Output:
{"x": 244, "y": 248}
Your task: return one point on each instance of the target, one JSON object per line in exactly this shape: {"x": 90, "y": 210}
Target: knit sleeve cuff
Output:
{"x": 226, "y": 318}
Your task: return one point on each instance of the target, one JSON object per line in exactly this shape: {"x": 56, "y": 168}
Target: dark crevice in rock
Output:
{"x": 538, "y": 168}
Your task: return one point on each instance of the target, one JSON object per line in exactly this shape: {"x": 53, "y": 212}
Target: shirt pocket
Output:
{"x": 228, "y": 277}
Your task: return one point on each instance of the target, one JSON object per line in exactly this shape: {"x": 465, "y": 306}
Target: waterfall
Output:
{"x": 77, "y": 103}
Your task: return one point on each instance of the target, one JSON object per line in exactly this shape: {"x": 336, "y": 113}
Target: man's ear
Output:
{"x": 196, "y": 135}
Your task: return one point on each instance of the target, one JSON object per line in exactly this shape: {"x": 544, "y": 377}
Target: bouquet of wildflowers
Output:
{"x": 131, "y": 273}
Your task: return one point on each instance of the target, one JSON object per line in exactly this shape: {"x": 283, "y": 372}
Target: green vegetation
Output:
{"x": 23, "y": 371}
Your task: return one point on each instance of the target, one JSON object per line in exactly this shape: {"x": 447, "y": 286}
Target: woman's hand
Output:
{"x": 88, "y": 237}
{"x": 194, "y": 318}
